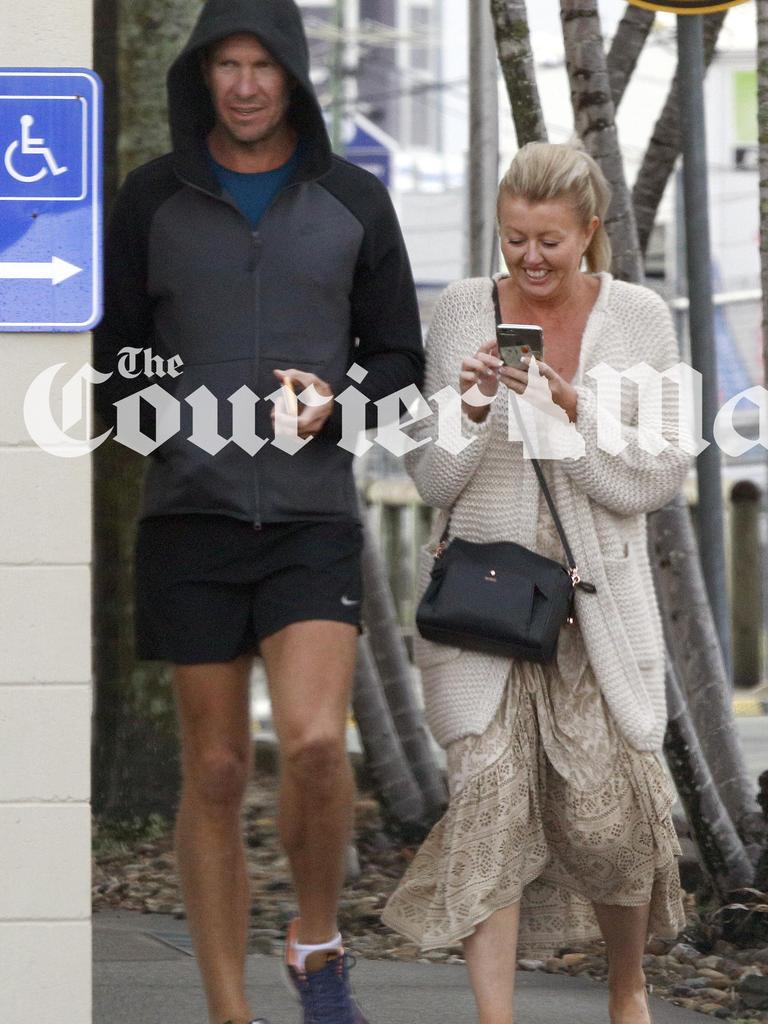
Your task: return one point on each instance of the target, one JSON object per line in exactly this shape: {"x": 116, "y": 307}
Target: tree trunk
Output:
{"x": 721, "y": 853}
{"x": 384, "y": 756}
{"x": 664, "y": 146}
{"x": 595, "y": 123}
{"x": 152, "y": 34}
{"x": 396, "y": 674}
{"x": 513, "y": 44}
{"x": 692, "y": 640}
{"x": 627, "y": 45}
{"x": 135, "y": 755}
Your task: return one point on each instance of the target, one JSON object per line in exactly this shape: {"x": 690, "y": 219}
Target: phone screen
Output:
{"x": 518, "y": 340}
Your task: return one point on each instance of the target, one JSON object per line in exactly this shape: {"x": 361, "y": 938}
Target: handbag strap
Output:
{"x": 536, "y": 465}
{"x": 573, "y": 571}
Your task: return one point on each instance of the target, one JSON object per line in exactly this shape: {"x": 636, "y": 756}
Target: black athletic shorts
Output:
{"x": 209, "y": 588}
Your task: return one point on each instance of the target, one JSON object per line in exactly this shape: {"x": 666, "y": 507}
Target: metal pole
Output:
{"x": 337, "y": 77}
{"x": 690, "y": 69}
{"x": 483, "y": 162}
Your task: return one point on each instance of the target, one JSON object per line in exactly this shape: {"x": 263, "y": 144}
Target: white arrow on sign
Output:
{"x": 55, "y": 271}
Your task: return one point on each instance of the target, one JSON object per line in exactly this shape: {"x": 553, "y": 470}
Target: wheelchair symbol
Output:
{"x": 31, "y": 147}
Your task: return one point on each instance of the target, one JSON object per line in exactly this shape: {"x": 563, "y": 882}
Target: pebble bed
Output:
{"x": 713, "y": 977}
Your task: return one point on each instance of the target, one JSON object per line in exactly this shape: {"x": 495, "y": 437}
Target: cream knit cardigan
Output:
{"x": 602, "y": 499}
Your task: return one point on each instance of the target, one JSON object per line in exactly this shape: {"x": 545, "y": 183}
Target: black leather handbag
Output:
{"x": 500, "y": 598}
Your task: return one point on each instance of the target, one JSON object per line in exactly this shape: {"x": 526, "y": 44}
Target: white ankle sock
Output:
{"x": 302, "y": 951}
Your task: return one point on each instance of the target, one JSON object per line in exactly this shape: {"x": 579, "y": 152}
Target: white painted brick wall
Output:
{"x": 45, "y": 850}
{"x": 24, "y": 357}
{"x": 45, "y": 622}
{"x": 46, "y": 972}
{"x": 45, "y": 639}
{"x": 43, "y": 498}
{"x": 37, "y": 766}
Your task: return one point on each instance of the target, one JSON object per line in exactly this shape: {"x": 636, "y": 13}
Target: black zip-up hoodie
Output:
{"x": 323, "y": 283}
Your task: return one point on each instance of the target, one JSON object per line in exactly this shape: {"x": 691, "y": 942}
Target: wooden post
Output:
{"x": 746, "y": 583}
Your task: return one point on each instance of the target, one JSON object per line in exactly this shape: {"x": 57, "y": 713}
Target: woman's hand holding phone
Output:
{"x": 520, "y": 343}
{"x": 481, "y": 370}
{"x": 563, "y": 393}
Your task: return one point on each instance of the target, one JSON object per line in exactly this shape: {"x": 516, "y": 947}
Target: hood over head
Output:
{"x": 278, "y": 26}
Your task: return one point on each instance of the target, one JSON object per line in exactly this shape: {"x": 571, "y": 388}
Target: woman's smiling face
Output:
{"x": 543, "y": 245}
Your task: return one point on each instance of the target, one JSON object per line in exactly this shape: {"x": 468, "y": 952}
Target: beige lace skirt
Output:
{"x": 550, "y": 807}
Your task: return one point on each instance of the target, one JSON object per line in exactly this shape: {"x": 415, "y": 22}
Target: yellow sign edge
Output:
{"x": 667, "y": 9}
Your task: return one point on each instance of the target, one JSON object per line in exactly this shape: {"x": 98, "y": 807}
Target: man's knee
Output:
{"x": 218, "y": 777}
{"x": 315, "y": 757}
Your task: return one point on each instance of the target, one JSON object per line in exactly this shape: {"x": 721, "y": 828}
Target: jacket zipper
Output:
{"x": 256, "y": 523}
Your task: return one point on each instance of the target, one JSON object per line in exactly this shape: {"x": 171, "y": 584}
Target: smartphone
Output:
{"x": 518, "y": 340}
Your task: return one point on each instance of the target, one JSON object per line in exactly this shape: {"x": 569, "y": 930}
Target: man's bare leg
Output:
{"x": 214, "y": 715}
{"x": 310, "y": 666}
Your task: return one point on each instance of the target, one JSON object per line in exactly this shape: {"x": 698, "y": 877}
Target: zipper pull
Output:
{"x": 255, "y": 251}
{"x": 571, "y": 618}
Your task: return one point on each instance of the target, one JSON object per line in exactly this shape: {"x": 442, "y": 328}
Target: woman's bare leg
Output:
{"x": 625, "y": 930}
{"x": 491, "y": 955}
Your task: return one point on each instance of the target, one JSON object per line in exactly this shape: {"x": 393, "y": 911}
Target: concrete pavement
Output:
{"x": 144, "y": 973}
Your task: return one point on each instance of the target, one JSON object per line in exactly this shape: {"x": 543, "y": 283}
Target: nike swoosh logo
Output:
{"x": 347, "y": 602}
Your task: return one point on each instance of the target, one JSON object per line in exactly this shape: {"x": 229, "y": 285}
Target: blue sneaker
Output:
{"x": 325, "y": 995}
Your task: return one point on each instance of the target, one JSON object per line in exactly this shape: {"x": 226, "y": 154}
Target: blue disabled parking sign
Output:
{"x": 50, "y": 199}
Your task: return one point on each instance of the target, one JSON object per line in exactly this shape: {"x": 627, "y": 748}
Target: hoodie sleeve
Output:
{"x": 385, "y": 313}
{"x": 385, "y": 319}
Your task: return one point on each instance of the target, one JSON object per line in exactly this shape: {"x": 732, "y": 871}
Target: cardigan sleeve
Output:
{"x": 441, "y": 475}
{"x": 633, "y": 480}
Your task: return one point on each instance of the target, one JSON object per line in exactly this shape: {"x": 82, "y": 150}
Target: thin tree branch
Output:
{"x": 627, "y": 45}
{"x": 595, "y": 122}
{"x": 692, "y": 640}
{"x": 721, "y": 853}
{"x": 394, "y": 669}
{"x": 384, "y": 756}
{"x": 664, "y": 146}
{"x": 513, "y": 45}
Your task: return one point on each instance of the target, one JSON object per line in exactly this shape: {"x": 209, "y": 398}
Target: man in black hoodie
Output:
{"x": 260, "y": 258}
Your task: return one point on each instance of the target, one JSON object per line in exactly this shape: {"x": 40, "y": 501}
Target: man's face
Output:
{"x": 250, "y": 91}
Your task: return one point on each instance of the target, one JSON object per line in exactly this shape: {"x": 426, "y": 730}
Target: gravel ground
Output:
{"x": 713, "y": 977}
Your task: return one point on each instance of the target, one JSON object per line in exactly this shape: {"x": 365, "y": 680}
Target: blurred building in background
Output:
{"x": 396, "y": 104}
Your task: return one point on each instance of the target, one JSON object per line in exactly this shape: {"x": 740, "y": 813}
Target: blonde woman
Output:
{"x": 558, "y": 828}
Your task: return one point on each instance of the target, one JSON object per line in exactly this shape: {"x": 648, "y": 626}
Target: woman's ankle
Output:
{"x": 629, "y": 1005}
{"x": 626, "y": 983}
